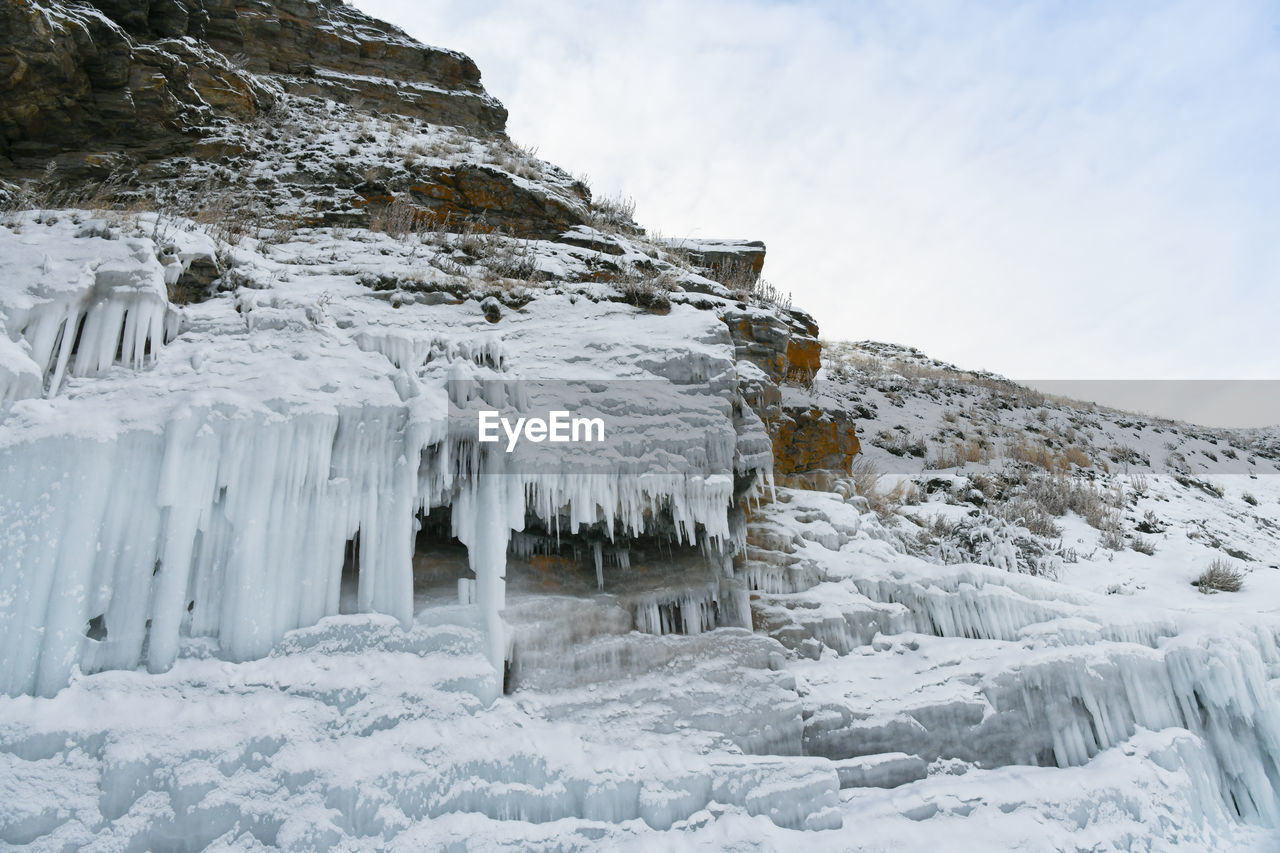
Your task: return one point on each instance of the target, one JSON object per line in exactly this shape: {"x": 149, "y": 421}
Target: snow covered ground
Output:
{"x": 944, "y": 664}
{"x": 356, "y": 734}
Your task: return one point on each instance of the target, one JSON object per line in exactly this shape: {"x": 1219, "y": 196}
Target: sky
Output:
{"x": 1051, "y": 191}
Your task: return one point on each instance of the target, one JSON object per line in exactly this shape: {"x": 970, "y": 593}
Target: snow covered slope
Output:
{"x": 199, "y": 470}
{"x": 969, "y": 704}
{"x": 262, "y": 587}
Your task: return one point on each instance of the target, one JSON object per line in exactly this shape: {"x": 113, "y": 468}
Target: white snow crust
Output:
{"x": 183, "y": 668}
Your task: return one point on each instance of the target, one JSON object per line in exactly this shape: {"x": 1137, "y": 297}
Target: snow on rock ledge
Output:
{"x": 215, "y": 493}
{"x": 973, "y": 664}
{"x": 76, "y": 298}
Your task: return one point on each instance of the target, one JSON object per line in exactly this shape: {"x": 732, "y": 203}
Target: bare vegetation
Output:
{"x": 1143, "y": 545}
{"x": 901, "y": 442}
{"x": 746, "y": 284}
{"x": 645, "y": 289}
{"x": 1220, "y": 576}
{"x": 397, "y": 219}
{"x": 611, "y": 214}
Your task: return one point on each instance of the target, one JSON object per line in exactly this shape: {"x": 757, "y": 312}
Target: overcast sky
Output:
{"x": 1056, "y": 190}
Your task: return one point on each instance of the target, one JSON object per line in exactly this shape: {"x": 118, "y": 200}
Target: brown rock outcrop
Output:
{"x": 723, "y": 258}
{"x": 760, "y": 337}
{"x": 809, "y": 439}
{"x": 782, "y": 342}
{"x": 80, "y": 81}
{"x": 496, "y": 199}
{"x": 804, "y": 350}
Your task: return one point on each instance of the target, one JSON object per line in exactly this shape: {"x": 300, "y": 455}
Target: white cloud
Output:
{"x": 1054, "y": 191}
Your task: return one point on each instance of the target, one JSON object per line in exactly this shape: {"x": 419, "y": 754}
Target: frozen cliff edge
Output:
{"x": 203, "y": 471}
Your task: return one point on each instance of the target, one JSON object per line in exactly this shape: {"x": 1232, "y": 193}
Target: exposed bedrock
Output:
{"x": 84, "y": 81}
{"x": 809, "y": 439}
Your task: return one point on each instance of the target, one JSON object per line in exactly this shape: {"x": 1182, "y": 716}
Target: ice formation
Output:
{"x": 78, "y": 307}
{"x": 237, "y": 502}
{"x": 262, "y": 588}
{"x": 1066, "y": 675}
{"x": 222, "y": 507}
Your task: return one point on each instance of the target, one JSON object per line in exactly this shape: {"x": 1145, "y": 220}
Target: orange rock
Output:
{"x": 804, "y": 354}
{"x": 810, "y": 439}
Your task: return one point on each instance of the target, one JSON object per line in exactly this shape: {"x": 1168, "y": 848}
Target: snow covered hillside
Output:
{"x": 262, "y": 586}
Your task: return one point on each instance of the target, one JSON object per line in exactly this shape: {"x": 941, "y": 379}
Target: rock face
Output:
{"x": 74, "y": 81}
{"x": 808, "y": 439}
{"x": 804, "y": 350}
{"x": 783, "y": 343}
{"x": 463, "y": 191}
{"x": 185, "y": 99}
{"x": 310, "y": 112}
{"x": 722, "y": 257}
{"x": 761, "y": 337}
{"x": 83, "y": 82}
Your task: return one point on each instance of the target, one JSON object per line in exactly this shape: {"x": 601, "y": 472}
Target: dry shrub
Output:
{"x": 905, "y": 493}
{"x": 866, "y": 476}
{"x": 611, "y": 213}
{"x": 946, "y": 457}
{"x": 509, "y": 258}
{"x": 396, "y": 219}
{"x": 798, "y": 374}
{"x": 1112, "y": 537}
{"x": 647, "y": 291}
{"x": 961, "y": 452}
{"x": 1221, "y": 576}
{"x": 1075, "y": 456}
{"x": 746, "y": 284}
{"x": 1036, "y": 454}
{"x": 1042, "y": 456}
{"x": 1059, "y": 494}
{"x": 1026, "y": 512}
{"x": 1143, "y": 545}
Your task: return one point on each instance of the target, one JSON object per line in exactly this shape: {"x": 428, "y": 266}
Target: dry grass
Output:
{"x": 1112, "y": 528}
{"x": 1026, "y": 512}
{"x": 515, "y": 159}
{"x": 1043, "y": 456}
{"x": 613, "y": 213}
{"x": 645, "y": 290}
{"x": 747, "y": 285}
{"x": 397, "y": 219}
{"x": 1075, "y": 456}
{"x": 959, "y": 453}
{"x": 866, "y": 476}
{"x": 1061, "y": 493}
{"x": 1220, "y": 576}
{"x": 1143, "y": 545}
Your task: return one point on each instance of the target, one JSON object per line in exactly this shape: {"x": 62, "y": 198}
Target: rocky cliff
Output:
{"x": 85, "y": 81}
{"x": 247, "y": 188}
{"x": 254, "y": 115}
{"x": 261, "y": 269}
{"x": 114, "y": 100}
